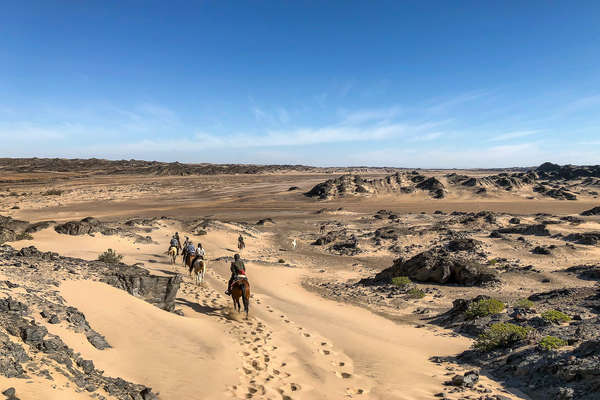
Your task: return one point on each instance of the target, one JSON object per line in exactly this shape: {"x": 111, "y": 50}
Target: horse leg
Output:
{"x": 246, "y": 299}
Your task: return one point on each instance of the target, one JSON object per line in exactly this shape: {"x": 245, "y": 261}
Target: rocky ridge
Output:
{"x": 549, "y": 180}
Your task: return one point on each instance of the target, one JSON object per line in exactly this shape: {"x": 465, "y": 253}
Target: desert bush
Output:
{"x": 415, "y": 293}
{"x": 110, "y": 257}
{"x": 555, "y": 316}
{"x": 500, "y": 335}
{"x": 401, "y": 281}
{"x": 281, "y": 261}
{"x": 53, "y": 192}
{"x": 484, "y": 307}
{"x": 493, "y": 261}
{"x": 552, "y": 343}
{"x": 524, "y": 303}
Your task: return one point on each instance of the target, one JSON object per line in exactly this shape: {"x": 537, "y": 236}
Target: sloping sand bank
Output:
{"x": 179, "y": 357}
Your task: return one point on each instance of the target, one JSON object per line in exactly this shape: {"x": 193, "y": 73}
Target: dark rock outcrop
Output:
{"x": 541, "y": 250}
{"x": 591, "y": 211}
{"x": 86, "y": 226}
{"x": 588, "y": 272}
{"x": 158, "y": 290}
{"x": 440, "y": 266}
{"x": 435, "y": 188}
{"x": 38, "y": 226}
{"x": 586, "y": 238}
{"x": 466, "y": 244}
{"x": 537, "y": 230}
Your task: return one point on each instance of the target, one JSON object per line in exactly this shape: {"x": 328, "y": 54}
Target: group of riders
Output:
{"x": 237, "y": 268}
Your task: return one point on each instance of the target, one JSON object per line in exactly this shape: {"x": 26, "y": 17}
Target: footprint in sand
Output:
{"x": 351, "y": 391}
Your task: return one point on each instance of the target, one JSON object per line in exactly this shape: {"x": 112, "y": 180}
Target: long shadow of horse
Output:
{"x": 206, "y": 310}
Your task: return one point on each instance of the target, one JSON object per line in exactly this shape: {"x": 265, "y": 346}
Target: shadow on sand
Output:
{"x": 207, "y": 310}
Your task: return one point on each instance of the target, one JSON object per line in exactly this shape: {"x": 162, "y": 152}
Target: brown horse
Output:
{"x": 187, "y": 259}
{"x": 241, "y": 288}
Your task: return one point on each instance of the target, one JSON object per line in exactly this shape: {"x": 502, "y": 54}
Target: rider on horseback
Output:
{"x": 174, "y": 243}
{"x": 237, "y": 268}
{"x": 184, "y": 247}
{"x": 200, "y": 253}
{"x": 190, "y": 249}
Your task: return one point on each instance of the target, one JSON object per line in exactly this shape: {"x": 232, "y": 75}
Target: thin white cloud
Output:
{"x": 513, "y": 135}
{"x": 582, "y": 103}
{"x": 283, "y": 115}
{"x": 445, "y": 105}
{"x": 591, "y": 143}
{"x": 428, "y": 137}
{"x": 370, "y": 115}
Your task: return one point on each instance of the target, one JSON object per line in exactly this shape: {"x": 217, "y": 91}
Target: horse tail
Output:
{"x": 191, "y": 266}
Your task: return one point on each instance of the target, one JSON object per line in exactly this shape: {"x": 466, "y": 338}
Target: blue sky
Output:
{"x": 381, "y": 83}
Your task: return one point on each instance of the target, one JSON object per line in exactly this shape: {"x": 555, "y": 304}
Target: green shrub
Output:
{"x": 499, "y": 335}
{"x": 53, "y": 192}
{"x": 415, "y": 293}
{"x": 552, "y": 343}
{"x": 524, "y": 303}
{"x": 555, "y": 316}
{"x": 23, "y": 236}
{"x": 110, "y": 257}
{"x": 493, "y": 261}
{"x": 401, "y": 281}
{"x": 484, "y": 307}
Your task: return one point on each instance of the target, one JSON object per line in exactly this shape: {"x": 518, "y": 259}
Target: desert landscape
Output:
{"x": 374, "y": 283}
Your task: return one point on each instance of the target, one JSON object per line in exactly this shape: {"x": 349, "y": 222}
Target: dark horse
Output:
{"x": 241, "y": 288}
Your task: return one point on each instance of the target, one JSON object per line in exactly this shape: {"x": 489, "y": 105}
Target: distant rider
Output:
{"x": 237, "y": 268}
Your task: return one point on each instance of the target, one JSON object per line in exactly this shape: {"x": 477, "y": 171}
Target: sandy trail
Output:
{"x": 392, "y": 360}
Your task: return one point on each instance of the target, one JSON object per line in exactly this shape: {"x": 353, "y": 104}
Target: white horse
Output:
{"x": 198, "y": 269}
